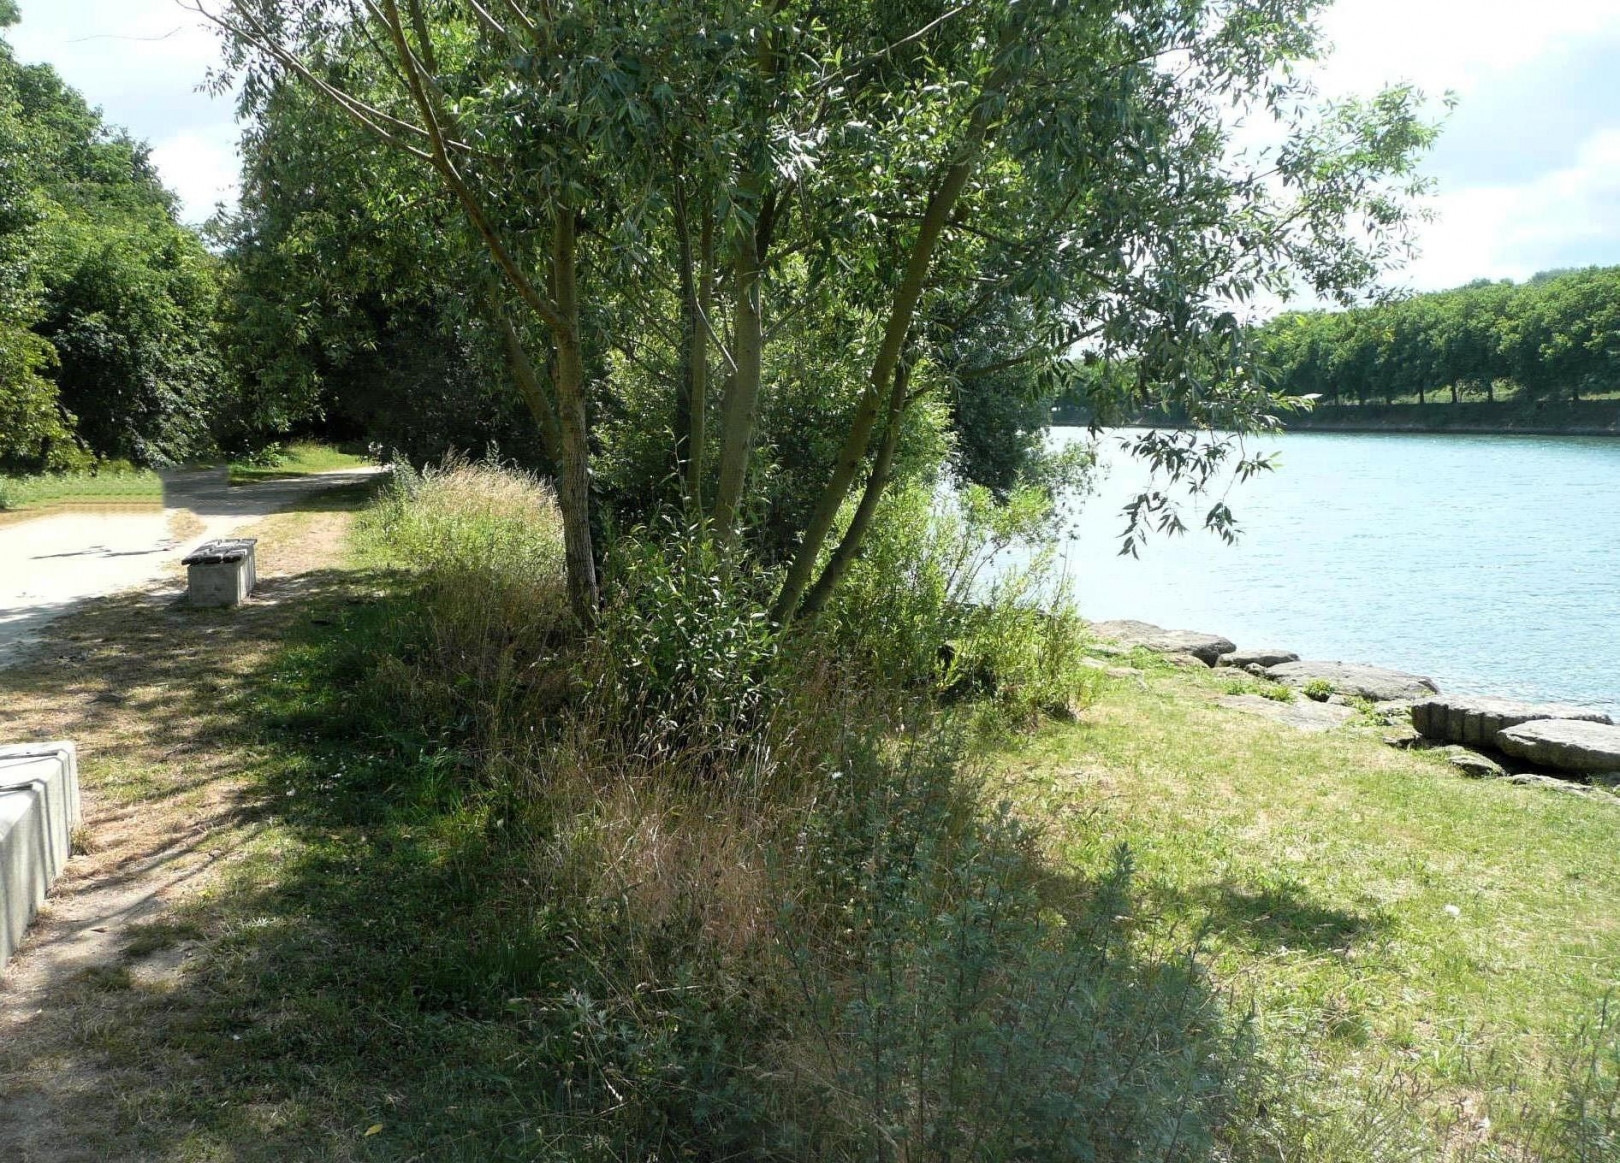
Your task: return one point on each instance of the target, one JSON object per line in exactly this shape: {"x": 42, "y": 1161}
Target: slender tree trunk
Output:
{"x": 573, "y": 468}
{"x": 529, "y": 384}
{"x": 1454, "y": 392}
{"x": 740, "y": 408}
{"x": 882, "y": 465}
{"x": 697, "y": 281}
{"x": 859, "y": 437}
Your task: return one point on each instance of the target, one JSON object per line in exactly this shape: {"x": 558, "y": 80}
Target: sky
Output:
{"x": 1527, "y": 170}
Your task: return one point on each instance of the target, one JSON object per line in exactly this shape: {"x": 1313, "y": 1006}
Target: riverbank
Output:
{"x": 1544, "y": 418}
{"x": 1474, "y": 417}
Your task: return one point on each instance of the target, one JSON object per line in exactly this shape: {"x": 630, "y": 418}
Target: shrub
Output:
{"x": 960, "y": 595}
{"x": 1319, "y": 689}
{"x": 969, "y": 1005}
{"x": 684, "y": 657}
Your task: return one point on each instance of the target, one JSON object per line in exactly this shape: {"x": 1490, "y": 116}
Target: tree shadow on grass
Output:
{"x": 1276, "y": 915}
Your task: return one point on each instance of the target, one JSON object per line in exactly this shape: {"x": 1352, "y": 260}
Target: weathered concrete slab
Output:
{"x": 1474, "y": 720}
{"x": 1243, "y": 659}
{"x": 1564, "y": 744}
{"x": 39, "y": 808}
{"x": 1301, "y": 714}
{"x": 1204, "y": 647}
{"x": 1351, "y": 678}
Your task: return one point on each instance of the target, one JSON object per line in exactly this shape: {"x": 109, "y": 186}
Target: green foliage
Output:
{"x": 1556, "y": 335}
{"x": 94, "y": 263}
{"x": 1318, "y": 689}
{"x": 485, "y": 547}
{"x": 936, "y": 604}
{"x": 684, "y": 658}
{"x": 974, "y": 1009}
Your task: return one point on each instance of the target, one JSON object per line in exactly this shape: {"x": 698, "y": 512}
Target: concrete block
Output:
{"x": 39, "y": 808}
{"x": 221, "y": 573}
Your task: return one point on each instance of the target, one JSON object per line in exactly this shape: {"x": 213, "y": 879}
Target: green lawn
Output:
{"x": 1403, "y": 931}
{"x": 298, "y": 459}
{"x": 119, "y": 486}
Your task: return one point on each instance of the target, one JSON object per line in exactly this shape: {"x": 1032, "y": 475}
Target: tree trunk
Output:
{"x": 838, "y": 564}
{"x": 859, "y": 437}
{"x": 528, "y": 381}
{"x": 697, "y": 293}
{"x": 1453, "y": 392}
{"x": 740, "y": 408}
{"x": 573, "y": 467}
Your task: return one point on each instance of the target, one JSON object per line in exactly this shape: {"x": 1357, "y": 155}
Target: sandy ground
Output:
{"x": 141, "y": 682}
{"x": 53, "y": 563}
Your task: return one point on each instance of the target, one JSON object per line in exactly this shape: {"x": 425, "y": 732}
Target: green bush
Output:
{"x": 1319, "y": 689}
{"x": 960, "y": 596}
{"x": 972, "y": 1006}
{"x": 684, "y": 657}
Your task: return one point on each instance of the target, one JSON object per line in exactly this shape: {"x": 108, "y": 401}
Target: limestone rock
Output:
{"x": 1204, "y": 647}
{"x": 1302, "y": 715}
{"x": 1262, "y": 658}
{"x": 1564, "y": 744}
{"x": 1472, "y": 763}
{"x": 1350, "y": 678}
{"x": 1474, "y": 720}
{"x": 1182, "y": 659}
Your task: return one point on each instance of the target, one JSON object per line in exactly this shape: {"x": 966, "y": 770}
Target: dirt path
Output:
{"x": 51, "y": 564}
{"x": 142, "y": 683}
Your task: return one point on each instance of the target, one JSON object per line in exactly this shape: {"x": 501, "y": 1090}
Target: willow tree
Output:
{"x": 881, "y": 174}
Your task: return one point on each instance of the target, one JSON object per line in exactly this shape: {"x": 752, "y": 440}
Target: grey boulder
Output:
{"x": 1204, "y": 647}
{"x": 1475, "y": 719}
{"x": 1243, "y": 659}
{"x": 1472, "y": 763}
{"x": 1564, "y": 744}
{"x": 1350, "y": 678}
{"x": 1300, "y": 715}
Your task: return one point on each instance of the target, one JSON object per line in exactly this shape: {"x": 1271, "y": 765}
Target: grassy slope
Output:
{"x": 1324, "y": 870}
{"x": 297, "y": 460}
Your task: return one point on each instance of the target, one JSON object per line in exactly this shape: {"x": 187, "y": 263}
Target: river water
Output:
{"x": 1490, "y": 563}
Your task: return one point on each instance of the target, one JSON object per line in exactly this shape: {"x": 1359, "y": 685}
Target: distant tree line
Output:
{"x": 1554, "y": 337}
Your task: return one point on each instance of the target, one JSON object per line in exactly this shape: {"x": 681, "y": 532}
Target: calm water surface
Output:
{"x": 1491, "y": 563}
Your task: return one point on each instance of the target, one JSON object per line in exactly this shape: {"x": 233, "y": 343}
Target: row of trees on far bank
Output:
{"x": 1556, "y": 336}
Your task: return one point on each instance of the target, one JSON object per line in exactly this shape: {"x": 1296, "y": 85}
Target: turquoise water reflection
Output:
{"x": 1491, "y": 563}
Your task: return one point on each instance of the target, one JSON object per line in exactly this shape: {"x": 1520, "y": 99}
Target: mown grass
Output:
{"x": 111, "y": 484}
{"x": 1422, "y": 949}
{"x": 297, "y": 459}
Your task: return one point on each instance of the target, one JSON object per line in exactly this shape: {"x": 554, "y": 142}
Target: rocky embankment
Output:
{"x": 1482, "y": 735}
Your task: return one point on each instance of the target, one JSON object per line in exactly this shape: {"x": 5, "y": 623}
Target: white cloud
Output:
{"x": 203, "y": 169}
{"x": 142, "y": 62}
{"x": 1449, "y": 44}
{"x": 1563, "y": 218}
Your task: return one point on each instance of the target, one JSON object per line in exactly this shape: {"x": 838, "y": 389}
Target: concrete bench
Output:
{"x": 221, "y": 573}
{"x": 39, "y": 808}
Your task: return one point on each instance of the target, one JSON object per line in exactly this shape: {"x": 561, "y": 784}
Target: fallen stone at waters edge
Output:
{"x": 1474, "y": 720}
{"x": 1302, "y": 715}
{"x": 1204, "y": 647}
{"x": 1350, "y": 678}
{"x": 1472, "y": 763}
{"x": 1564, "y": 744}
{"x": 1243, "y": 659}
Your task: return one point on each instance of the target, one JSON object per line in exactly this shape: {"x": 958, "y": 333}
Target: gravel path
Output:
{"x": 51, "y": 564}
